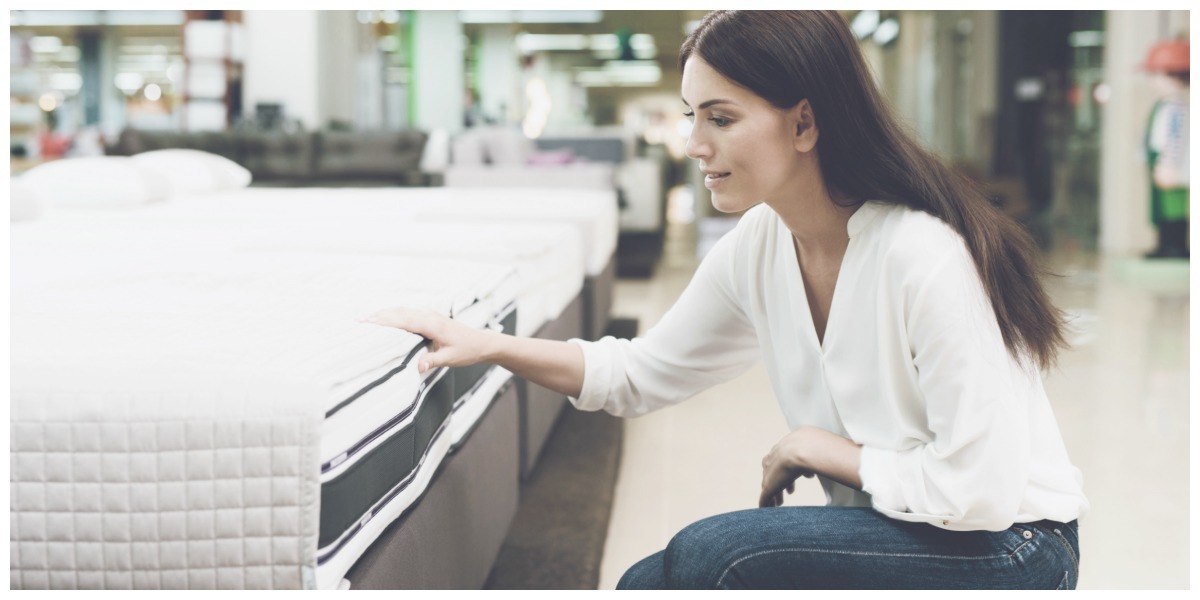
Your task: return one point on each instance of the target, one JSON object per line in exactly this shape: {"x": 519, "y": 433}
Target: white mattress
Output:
{"x": 592, "y": 213}
{"x": 168, "y": 418}
{"x": 547, "y": 258}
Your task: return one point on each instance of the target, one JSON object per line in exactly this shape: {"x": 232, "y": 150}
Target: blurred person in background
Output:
{"x": 899, "y": 314}
{"x": 1167, "y": 149}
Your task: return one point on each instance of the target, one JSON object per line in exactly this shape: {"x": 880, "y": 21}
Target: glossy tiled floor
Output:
{"x": 1120, "y": 395}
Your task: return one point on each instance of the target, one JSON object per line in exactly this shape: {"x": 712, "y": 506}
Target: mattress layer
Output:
{"x": 358, "y": 505}
{"x": 400, "y": 438}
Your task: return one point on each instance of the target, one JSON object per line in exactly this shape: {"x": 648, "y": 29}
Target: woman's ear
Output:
{"x": 806, "y": 126}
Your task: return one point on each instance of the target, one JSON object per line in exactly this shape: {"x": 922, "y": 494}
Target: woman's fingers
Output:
{"x": 776, "y": 480}
{"x": 442, "y": 357}
{"x": 451, "y": 344}
{"x": 765, "y": 500}
{"x": 772, "y": 489}
{"x": 422, "y": 323}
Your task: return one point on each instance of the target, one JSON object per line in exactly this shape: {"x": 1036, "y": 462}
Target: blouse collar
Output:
{"x": 863, "y": 217}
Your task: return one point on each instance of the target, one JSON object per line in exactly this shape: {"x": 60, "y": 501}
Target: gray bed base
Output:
{"x": 598, "y": 300}
{"x": 452, "y": 534}
{"x": 540, "y": 407}
{"x": 586, "y": 317}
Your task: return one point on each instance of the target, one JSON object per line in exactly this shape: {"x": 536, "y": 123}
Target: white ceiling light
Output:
{"x": 628, "y": 73}
{"x": 530, "y": 16}
{"x": 45, "y": 44}
{"x": 528, "y": 43}
{"x": 67, "y": 82}
{"x": 603, "y": 45}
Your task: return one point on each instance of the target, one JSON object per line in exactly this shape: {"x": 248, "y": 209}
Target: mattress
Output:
{"x": 591, "y": 213}
{"x": 221, "y": 419}
{"x": 547, "y": 258}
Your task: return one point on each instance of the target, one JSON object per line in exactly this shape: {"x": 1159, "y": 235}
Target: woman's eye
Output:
{"x": 718, "y": 121}
{"x": 689, "y": 114}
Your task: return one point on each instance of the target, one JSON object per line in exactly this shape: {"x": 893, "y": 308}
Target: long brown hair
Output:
{"x": 865, "y": 154}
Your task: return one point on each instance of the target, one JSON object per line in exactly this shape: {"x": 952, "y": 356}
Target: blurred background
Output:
{"x": 1047, "y": 110}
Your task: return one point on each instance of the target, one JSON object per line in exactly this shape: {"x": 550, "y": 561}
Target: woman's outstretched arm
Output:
{"x": 548, "y": 363}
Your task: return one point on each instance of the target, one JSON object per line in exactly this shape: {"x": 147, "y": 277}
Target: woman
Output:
{"x": 901, "y": 322}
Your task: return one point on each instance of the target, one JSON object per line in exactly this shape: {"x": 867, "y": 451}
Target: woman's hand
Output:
{"x": 781, "y": 468}
{"x": 805, "y": 452}
{"x": 452, "y": 344}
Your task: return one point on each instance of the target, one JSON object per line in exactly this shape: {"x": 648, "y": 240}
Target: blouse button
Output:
{"x": 1028, "y": 534}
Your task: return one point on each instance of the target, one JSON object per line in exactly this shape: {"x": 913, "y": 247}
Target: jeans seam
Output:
{"x": 1070, "y": 551}
{"x": 1057, "y": 534}
{"x": 735, "y": 563}
{"x": 1013, "y": 554}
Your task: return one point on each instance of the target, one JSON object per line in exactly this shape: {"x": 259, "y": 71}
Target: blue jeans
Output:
{"x": 817, "y": 547}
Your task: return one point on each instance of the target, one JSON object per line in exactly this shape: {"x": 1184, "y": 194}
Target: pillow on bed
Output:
{"x": 194, "y": 171}
{"x": 23, "y": 203}
{"x": 95, "y": 182}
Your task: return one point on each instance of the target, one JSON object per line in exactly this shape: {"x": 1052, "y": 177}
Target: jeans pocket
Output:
{"x": 1017, "y": 539}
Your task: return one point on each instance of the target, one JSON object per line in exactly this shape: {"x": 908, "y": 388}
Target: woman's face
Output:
{"x": 744, "y": 144}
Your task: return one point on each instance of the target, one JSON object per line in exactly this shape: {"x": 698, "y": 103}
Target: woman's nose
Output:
{"x": 696, "y": 148}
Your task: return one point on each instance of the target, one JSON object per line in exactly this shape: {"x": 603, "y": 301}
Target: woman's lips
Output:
{"x": 712, "y": 180}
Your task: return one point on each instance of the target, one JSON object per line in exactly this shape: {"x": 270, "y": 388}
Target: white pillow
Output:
{"x": 436, "y": 155}
{"x": 23, "y": 203}
{"x": 95, "y": 182}
{"x": 194, "y": 171}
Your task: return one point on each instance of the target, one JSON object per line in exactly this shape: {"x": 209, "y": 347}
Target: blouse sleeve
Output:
{"x": 971, "y": 472}
{"x": 704, "y": 339}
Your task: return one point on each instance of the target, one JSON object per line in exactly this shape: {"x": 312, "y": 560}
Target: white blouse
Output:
{"x": 955, "y": 432}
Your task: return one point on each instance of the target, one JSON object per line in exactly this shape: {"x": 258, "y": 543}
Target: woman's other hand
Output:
{"x": 452, "y": 344}
{"x": 806, "y": 452}
{"x": 781, "y": 468}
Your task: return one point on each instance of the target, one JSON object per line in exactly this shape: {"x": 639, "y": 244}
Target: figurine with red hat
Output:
{"x": 1167, "y": 147}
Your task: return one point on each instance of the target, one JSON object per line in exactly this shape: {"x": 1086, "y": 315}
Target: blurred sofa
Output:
{"x": 299, "y": 159}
